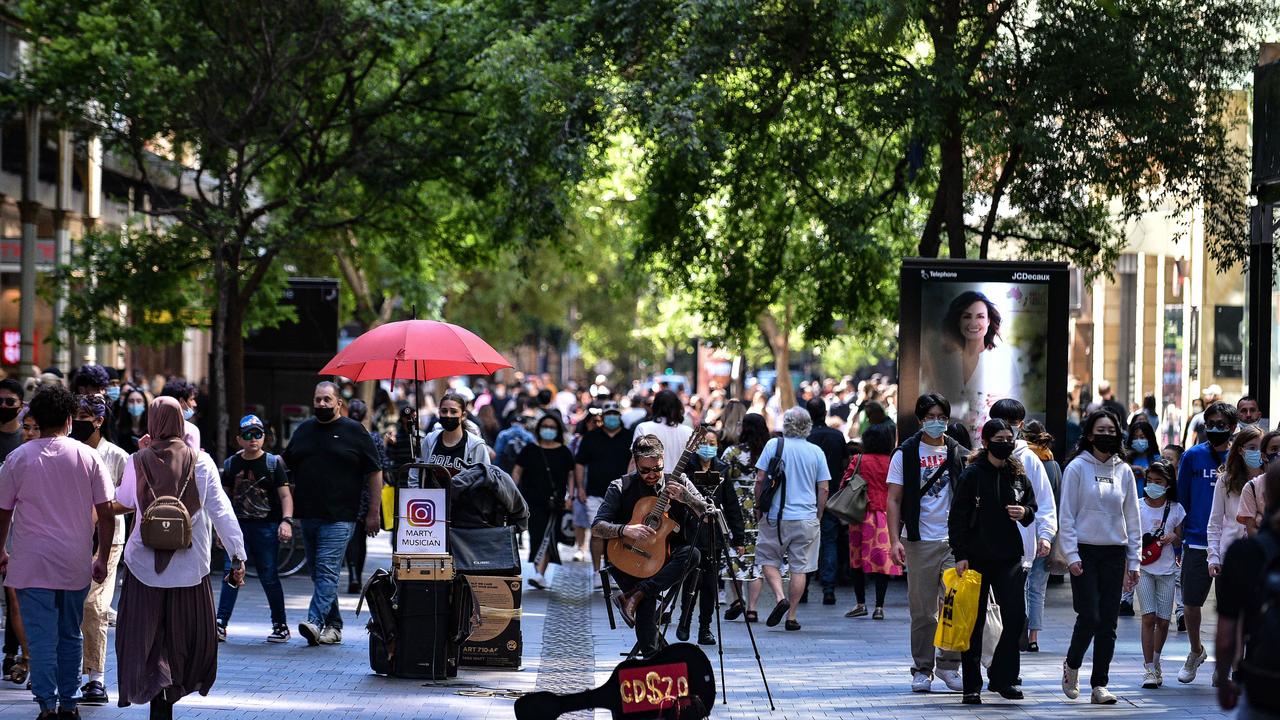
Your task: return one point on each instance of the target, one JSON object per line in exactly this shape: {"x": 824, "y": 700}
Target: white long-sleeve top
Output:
{"x": 1046, "y": 525}
{"x": 187, "y": 567}
{"x": 1223, "y": 528}
{"x": 1099, "y": 507}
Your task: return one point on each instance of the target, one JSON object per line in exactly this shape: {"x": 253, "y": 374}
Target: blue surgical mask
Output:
{"x": 934, "y": 428}
{"x": 1140, "y": 445}
{"x": 1253, "y": 458}
{"x": 548, "y": 433}
{"x": 612, "y": 422}
{"x": 1154, "y": 491}
{"x": 113, "y": 393}
{"x": 137, "y": 410}
{"x": 707, "y": 452}
{"x": 188, "y": 413}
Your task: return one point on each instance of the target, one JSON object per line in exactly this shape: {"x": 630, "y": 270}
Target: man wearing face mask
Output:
{"x": 332, "y": 459}
{"x": 515, "y": 436}
{"x": 1250, "y": 413}
{"x": 920, "y": 477}
{"x": 602, "y": 458}
{"x": 11, "y": 395}
{"x": 1197, "y": 475}
{"x": 86, "y": 427}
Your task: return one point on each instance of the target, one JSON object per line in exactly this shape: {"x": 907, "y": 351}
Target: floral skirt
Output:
{"x": 869, "y": 545}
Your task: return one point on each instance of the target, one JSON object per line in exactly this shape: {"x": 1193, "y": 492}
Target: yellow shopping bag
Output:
{"x": 959, "y": 610}
{"x": 388, "y": 507}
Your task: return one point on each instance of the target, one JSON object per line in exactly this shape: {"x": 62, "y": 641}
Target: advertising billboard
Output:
{"x": 977, "y": 331}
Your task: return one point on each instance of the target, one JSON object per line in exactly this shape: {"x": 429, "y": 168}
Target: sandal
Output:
{"x": 20, "y": 670}
{"x": 1033, "y": 647}
{"x": 735, "y": 609}
{"x": 752, "y": 616}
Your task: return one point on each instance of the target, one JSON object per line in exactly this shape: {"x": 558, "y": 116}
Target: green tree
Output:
{"x": 267, "y": 129}
{"x": 796, "y": 151}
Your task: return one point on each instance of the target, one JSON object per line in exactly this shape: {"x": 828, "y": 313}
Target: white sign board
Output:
{"x": 420, "y": 527}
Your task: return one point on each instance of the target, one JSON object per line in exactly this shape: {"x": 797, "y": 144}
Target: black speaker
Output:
{"x": 424, "y": 645}
{"x": 1266, "y": 125}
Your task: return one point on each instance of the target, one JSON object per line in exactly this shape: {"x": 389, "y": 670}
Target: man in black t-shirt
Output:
{"x": 330, "y": 457}
{"x": 11, "y": 395}
{"x": 836, "y": 450}
{"x": 258, "y": 486}
{"x": 603, "y": 456}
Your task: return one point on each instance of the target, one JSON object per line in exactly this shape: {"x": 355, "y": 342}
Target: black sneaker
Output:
{"x": 1126, "y": 609}
{"x": 94, "y": 693}
{"x": 705, "y": 637}
{"x": 1182, "y": 623}
{"x": 72, "y": 714}
{"x": 221, "y": 631}
{"x": 279, "y": 634}
{"x": 828, "y": 597}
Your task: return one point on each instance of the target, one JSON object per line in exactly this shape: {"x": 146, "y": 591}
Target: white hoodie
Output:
{"x": 1046, "y": 524}
{"x": 1099, "y": 507}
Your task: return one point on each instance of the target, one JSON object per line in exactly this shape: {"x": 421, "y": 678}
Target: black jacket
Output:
{"x": 486, "y": 496}
{"x": 726, "y": 498}
{"x": 911, "y": 479}
{"x": 979, "y": 526}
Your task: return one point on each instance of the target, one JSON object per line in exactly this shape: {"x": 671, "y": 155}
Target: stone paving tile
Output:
{"x": 833, "y": 668}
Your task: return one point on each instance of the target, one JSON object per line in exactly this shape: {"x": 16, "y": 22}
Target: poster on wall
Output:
{"x": 420, "y": 522}
{"x": 1228, "y": 341}
{"x": 978, "y": 331}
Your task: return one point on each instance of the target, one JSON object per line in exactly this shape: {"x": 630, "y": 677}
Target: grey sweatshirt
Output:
{"x": 1099, "y": 507}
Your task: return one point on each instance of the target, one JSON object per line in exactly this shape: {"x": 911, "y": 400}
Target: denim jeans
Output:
{"x": 263, "y": 548}
{"x": 1037, "y": 584}
{"x": 828, "y": 552}
{"x": 326, "y": 544}
{"x": 52, "y": 621}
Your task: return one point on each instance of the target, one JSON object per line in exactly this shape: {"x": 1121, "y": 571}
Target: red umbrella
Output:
{"x": 415, "y": 350}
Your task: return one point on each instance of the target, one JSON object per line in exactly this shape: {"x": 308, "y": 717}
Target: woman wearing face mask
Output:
{"x": 131, "y": 421}
{"x": 1244, "y": 462}
{"x": 450, "y": 445}
{"x": 1142, "y": 448}
{"x": 1100, "y": 531}
{"x": 1253, "y": 498}
{"x": 544, "y": 472}
{"x": 708, "y": 586}
{"x": 991, "y": 498}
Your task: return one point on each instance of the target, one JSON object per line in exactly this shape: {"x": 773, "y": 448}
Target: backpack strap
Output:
{"x": 272, "y": 461}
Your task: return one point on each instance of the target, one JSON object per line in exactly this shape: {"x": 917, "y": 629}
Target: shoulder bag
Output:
{"x": 849, "y": 503}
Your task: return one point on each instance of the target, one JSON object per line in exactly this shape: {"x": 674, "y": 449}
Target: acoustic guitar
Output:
{"x": 644, "y": 558}
{"x": 677, "y": 682}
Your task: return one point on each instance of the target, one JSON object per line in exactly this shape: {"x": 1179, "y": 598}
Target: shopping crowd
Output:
{"x": 93, "y": 463}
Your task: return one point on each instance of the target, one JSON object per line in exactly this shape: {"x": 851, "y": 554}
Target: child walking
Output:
{"x": 1161, "y": 530}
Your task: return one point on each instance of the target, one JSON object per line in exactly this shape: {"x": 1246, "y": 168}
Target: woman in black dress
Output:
{"x": 544, "y": 472}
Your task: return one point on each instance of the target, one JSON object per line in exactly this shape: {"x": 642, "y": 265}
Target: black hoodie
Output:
{"x": 980, "y": 528}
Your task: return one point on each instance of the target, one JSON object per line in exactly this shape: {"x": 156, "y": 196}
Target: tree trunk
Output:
{"x": 235, "y": 371}
{"x": 778, "y": 339}
{"x": 218, "y": 352}
{"x": 952, "y": 178}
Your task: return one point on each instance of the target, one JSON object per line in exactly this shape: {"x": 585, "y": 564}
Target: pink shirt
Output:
{"x": 51, "y": 485}
{"x": 1253, "y": 500}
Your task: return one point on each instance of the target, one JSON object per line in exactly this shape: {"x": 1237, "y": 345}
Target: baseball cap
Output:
{"x": 251, "y": 421}
{"x": 611, "y": 407}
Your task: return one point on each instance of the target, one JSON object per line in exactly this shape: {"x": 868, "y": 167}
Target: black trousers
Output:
{"x": 11, "y": 644}
{"x": 860, "y": 586}
{"x": 707, "y": 586}
{"x": 357, "y": 548}
{"x": 1095, "y": 595}
{"x": 647, "y": 635}
{"x": 1007, "y": 581}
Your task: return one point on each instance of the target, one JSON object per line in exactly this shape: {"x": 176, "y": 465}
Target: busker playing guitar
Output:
{"x": 638, "y": 606}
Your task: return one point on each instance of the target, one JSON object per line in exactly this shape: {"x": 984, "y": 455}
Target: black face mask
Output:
{"x": 1106, "y": 444}
{"x": 7, "y": 414}
{"x": 324, "y": 414}
{"x": 82, "y": 430}
{"x": 1218, "y": 437}
{"x": 450, "y": 423}
{"x": 1000, "y": 449}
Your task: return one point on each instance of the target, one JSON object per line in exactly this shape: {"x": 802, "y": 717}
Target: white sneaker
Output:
{"x": 1151, "y": 678}
{"x": 330, "y": 636}
{"x": 579, "y": 556}
{"x": 1194, "y": 661}
{"x": 537, "y": 581}
{"x": 921, "y": 682}
{"x": 1102, "y": 696}
{"x": 953, "y": 680}
{"x": 310, "y": 633}
{"x": 1070, "y": 681}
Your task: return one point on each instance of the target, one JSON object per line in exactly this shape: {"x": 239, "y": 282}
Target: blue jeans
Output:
{"x": 52, "y": 620}
{"x": 827, "y": 559}
{"x": 262, "y": 546}
{"x": 326, "y": 544}
{"x": 1037, "y": 584}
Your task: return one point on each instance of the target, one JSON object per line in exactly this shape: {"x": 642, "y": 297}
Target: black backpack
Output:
{"x": 1260, "y": 667}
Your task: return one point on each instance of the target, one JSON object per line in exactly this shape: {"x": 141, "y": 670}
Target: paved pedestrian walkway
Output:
{"x": 832, "y": 668}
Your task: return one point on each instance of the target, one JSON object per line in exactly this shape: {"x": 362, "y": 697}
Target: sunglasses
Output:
{"x": 252, "y": 435}
{"x": 656, "y": 470}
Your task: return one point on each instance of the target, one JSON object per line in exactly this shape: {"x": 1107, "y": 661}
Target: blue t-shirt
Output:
{"x": 806, "y": 466}
{"x": 1197, "y": 474}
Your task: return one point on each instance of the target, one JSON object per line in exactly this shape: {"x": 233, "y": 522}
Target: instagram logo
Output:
{"x": 420, "y": 513}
